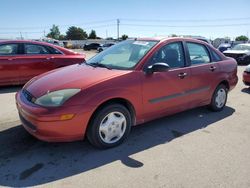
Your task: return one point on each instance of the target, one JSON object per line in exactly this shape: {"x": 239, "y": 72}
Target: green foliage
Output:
{"x": 76, "y": 33}
{"x": 92, "y": 35}
{"x": 241, "y": 38}
{"x": 54, "y": 32}
{"x": 124, "y": 37}
{"x": 62, "y": 37}
{"x": 174, "y": 35}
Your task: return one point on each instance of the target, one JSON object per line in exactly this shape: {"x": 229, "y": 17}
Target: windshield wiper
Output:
{"x": 99, "y": 65}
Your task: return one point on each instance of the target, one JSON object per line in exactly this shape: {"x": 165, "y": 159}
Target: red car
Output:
{"x": 246, "y": 76}
{"x": 22, "y": 60}
{"x": 130, "y": 83}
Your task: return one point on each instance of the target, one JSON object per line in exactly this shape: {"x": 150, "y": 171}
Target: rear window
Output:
{"x": 215, "y": 56}
{"x": 54, "y": 50}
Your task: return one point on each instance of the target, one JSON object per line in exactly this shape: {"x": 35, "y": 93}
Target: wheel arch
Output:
{"x": 226, "y": 83}
{"x": 126, "y": 103}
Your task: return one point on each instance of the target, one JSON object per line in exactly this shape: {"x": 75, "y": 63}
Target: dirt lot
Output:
{"x": 197, "y": 148}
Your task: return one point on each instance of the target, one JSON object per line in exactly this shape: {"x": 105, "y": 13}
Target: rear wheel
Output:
{"x": 219, "y": 98}
{"x": 109, "y": 126}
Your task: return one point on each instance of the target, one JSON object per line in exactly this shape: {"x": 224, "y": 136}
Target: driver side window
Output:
{"x": 171, "y": 54}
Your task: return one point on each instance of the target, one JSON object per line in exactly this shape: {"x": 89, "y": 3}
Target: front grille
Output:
{"x": 27, "y": 123}
{"x": 28, "y": 95}
{"x": 235, "y": 56}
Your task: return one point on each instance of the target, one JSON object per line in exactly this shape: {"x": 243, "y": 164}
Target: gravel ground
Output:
{"x": 196, "y": 148}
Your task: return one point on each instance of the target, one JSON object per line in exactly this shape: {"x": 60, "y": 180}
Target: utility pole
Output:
{"x": 118, "y": 25}
{"x": 21, "y": 35}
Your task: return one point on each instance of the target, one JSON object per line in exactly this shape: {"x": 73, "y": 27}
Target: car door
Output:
{"x": 36, "y": 60}
{"x": 204, "y": 73}
{"x": 165, "y": 92}
{"x": 9, "y": 66}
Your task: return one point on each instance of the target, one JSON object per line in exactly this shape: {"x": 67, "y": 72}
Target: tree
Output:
{"x": 124, "y": 37}
{"x": 76, "y": 33}
{"x": 174, "y": 35}
{"x": 62, "y": 37}
{"x": 92, "y": 35}
{"x": 54, "y": 32}
{"x": 241, "y": 38}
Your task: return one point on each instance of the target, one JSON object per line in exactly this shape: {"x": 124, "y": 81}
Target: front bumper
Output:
{"x": 45, "y": 123}
{"x": 246, "y": 78}
{"x": 241, "y": 59}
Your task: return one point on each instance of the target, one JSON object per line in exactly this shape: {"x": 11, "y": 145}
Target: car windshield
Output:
{"x": 124, "y": 55}
{"x": 242, "y": 47}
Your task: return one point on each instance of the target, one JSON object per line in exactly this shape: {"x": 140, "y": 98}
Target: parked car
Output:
{"x": 246, "y": 76}
{"x": 133, "y": 82}
{"x": 52, "y": 41}
{"x": 22, "y": 60}
{"x": 240, "y": 52}
{"x": 224, "y": 46}
{"x": 91, "y": 46}
{"x": 104, "y": 47}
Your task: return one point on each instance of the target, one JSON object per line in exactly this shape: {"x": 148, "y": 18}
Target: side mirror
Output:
{"x": 157, "y": 67}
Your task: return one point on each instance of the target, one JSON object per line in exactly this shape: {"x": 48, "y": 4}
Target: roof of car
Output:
{"x": 25, "y": 41}
{"x": 162, "y": 39}
{"x": 245, "y": 44}
{"x": 224, "y": 44}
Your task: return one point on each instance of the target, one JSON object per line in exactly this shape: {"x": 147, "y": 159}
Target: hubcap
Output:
{"x": 220, "y": 98}
{"x": 112, "y": 127}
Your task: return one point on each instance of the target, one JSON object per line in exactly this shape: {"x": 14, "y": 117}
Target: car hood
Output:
{"x": 75, "y": 76}
{"x": 236, "y": 52}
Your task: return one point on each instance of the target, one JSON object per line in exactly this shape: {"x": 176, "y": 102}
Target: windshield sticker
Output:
{"x": 143, "y": 43}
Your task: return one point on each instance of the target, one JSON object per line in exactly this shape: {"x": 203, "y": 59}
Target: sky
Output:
{"x": 138, "y": 18}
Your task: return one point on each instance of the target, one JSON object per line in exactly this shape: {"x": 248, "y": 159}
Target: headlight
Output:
{"x": 248, "y": 68}
{"x": 56, "y": 98}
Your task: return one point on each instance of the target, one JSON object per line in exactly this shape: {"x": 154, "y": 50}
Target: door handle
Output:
{"x": 10, "y": 59}
{"x": 212, "y": 68}
{"x": 182, "y": 75}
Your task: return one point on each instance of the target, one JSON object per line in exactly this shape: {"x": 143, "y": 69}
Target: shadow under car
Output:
{"x": 26, "y": 161}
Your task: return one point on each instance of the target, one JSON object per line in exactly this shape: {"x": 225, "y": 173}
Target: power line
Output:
{"x": 18, "y": 32}
{"x": 127, "y": 20}
{"x": 185, "y": 20}
{"x": 43, "y": 31}
{"x": 49, "y": 26}
{"x": 186, "y": 26}
{"x": 99, "y": 26}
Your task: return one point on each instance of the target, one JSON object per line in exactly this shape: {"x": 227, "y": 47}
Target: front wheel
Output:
{"x": 219, "y": 98}
{"x": 109, "y": 126}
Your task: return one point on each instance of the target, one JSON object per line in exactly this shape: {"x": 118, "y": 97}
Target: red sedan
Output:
{"x": 246, "y": 76}
{"x": 130, "y": 83}
{"x": 22, "y": 60}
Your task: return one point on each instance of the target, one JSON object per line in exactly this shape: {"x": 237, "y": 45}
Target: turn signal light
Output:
{"x": 67, "y": 116}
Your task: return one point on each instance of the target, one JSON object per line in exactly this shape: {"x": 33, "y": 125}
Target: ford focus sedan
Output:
{"x": 128, "y": 84}
{"x": 22, "y": 60}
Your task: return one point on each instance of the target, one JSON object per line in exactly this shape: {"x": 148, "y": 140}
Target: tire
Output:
{"x": 110, "y": 126}
{"x": 219, "y": 98}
